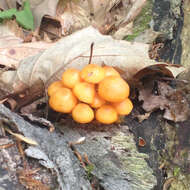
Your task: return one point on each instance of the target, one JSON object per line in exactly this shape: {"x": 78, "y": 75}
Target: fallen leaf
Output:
{"x": 51, "y": 28}
{"x": 14, "y": 27}
{"x": 7, "y": 36}
{"x": 110, "y": 17}
{"x": 21, "y": 137}
{"x": 143, "y": 117}
{"x": 41, "y": 8}
{"x": 72, "y": 18}
{"x": 12, "y": 54}
{"x": 134, "y": 11}
{"x": 74, "y": 51}
{"x": 160, "y": 95}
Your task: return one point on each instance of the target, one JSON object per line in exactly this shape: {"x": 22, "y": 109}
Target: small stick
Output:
{"x": 91, "y": 52}
{"x": 6, "y": 145}
{"x": 21, "y": 151}
{"x": 86, "y": 159}
{"x": 77, "y": 154}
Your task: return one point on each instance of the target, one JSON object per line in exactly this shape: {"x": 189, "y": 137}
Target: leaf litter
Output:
{"x": 74, "y": 50}
{"x": 157, "y": 94}
{"x": 130, "y": 59}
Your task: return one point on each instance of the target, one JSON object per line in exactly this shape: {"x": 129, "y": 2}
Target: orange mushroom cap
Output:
{"x": 106, "y": 114}
{"x": 113, "y": 89}
{"x": 110, "y": 71}
{"x": 71, "y": 77}
{"x": 83, "y": 113}
{"x": 124, "y": 107}
{"x": 92, "y": 73}
{"x": 97, "y": 102}
{"x": 53, "y": 87}
{"x": 63, "y": 100}
{"x": 85, "y": 92}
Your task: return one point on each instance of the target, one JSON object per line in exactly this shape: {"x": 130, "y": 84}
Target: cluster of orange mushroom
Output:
{"x": 95, "y": 92}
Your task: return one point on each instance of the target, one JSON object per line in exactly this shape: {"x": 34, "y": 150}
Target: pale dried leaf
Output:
{"x": 12, "y": 54}
{"x": 73, "y": 51}
{"x": 108, "y": 16}
{"x": 21, "y": 137}
{"x": 41, "y": 8}
{"x": 123, "y": 31}
{"x": 7, "y": 4}
{"x": 15, "y": 28}
{"x": 73, "y": 18}
{"x": 134, "y": 11}
{"x": 7, "y": 37}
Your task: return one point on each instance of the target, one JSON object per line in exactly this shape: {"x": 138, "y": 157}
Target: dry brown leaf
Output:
{"x": 111, "y": 17}
{"x": 159, "y": 95}
{"x": 73, "y": 51}
{"x": 106, "y": 15}
{"x": 142, "y": 117}
{"x": 72, "y": 18}
{"x": 50, "y": 29}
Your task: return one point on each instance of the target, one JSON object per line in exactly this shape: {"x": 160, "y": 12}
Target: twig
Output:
{"x": 77, "y": 154}
{"x": 91, "y": 52}
{"x": 168, "y": 183}
{"x": 21, "y": 151}
{"x": 6, "y": 145}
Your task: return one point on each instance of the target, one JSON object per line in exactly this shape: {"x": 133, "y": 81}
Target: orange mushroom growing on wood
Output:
{"x": 71, "y": 77}
{"x": 106, "y": 114}
{"x": 113, "y": 89}
{"x": 84, "y": 91}
{"x": 97, "y": 102}
{"x": 110, "y": 71}
{"x": 92, "y": 73}
{"x": 83, "y": 113}
{"x": 94, "y": 89}
{"x": 63, "y": 100}
{"x": 124, "y": 107}
{"x": 53, "y": 87}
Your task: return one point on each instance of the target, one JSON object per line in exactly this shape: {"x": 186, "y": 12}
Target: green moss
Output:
{"x": 176, "y": 171}
{"x": 176, "y": 166}
{"x": 141, "y": 23}
{"x": 134, "y": 162}
{"x": 89, "y": 169}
